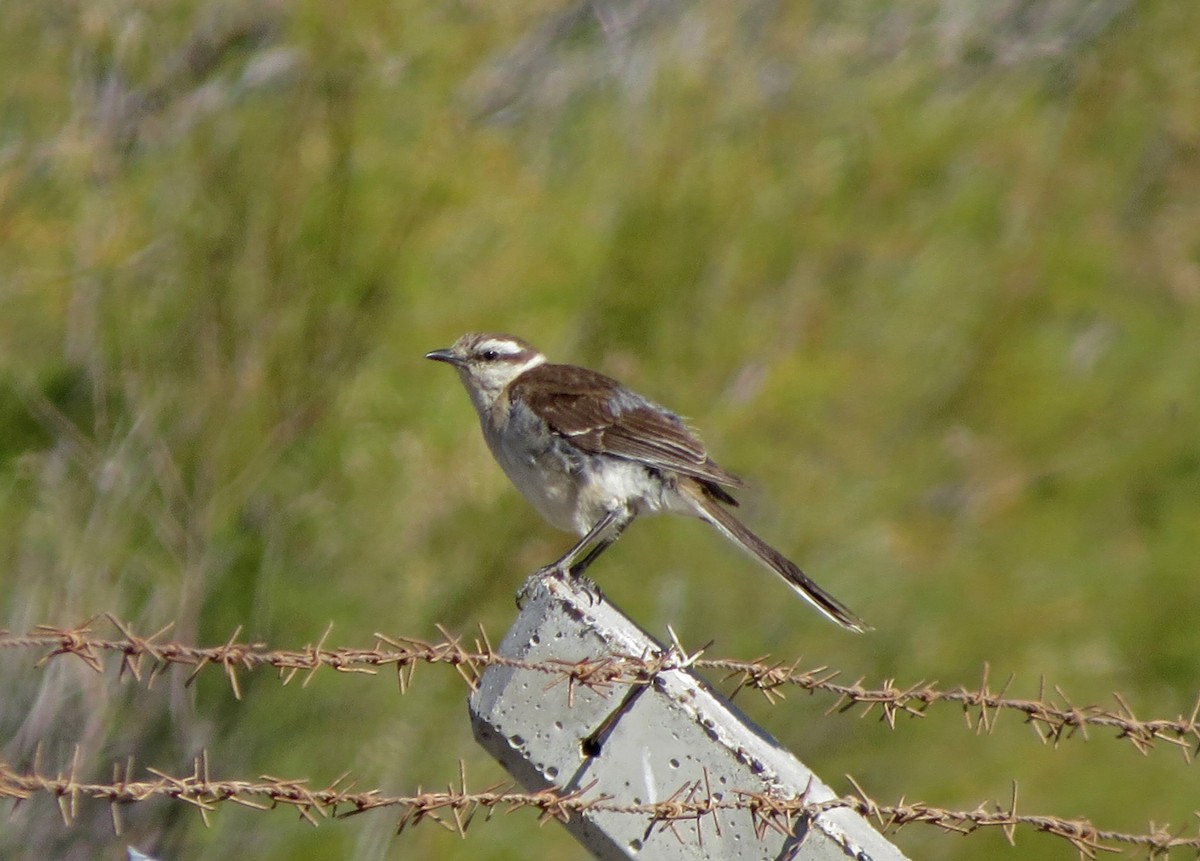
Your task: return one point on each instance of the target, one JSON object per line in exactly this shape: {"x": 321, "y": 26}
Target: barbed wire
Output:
{"x": 456, "y": 807}
{"x": 1053, "y": 718}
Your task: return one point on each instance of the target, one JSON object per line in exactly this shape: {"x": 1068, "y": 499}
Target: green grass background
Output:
{"x": 927, "y": 274}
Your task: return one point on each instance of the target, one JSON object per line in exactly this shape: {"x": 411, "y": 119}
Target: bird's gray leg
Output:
{"x": 615, "y": 527}
{"x": 606, "y": 530}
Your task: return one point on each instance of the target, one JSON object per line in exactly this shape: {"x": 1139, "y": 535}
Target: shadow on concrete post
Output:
{"x": 640, "y": 744}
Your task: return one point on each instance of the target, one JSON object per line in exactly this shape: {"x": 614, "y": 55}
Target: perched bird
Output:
{"x": 591, "y": 455}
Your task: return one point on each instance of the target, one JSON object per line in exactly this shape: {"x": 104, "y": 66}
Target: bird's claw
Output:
{"x": 589, "y": 588}
{"x": 565, "y": 575}
{"x": 535, "y": 581}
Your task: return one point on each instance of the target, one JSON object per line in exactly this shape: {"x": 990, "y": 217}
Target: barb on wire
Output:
{"x": 1054, "y": 716}
{"x": 456, "y": 807}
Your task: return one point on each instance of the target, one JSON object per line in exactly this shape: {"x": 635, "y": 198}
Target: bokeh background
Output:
{"x": 927, "y": 274}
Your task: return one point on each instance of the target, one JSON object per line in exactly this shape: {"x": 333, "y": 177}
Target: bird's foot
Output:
{"x": 537, "y": 580}
{"x": 589, "y": 587}
{"x": 563, "y": 574}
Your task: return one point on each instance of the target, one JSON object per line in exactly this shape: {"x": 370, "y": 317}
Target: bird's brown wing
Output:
{"x": 599, "y": 415}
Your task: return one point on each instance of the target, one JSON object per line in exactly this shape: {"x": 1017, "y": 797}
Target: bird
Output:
{"x": 591, "y": 455}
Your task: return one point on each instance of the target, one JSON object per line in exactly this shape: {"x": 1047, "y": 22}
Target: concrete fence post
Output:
{"x": 640, "y": 744}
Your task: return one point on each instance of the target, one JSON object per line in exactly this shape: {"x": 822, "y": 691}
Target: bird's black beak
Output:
{"x": 447, "y": 356}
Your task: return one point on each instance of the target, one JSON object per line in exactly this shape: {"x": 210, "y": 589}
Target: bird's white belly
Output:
{"x": 551, "y": 490}
{"x": 574, "y": 494}
{"x": 616, "y": 483}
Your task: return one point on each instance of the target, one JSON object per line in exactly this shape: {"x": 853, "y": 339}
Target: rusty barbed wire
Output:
{"x": 456, "y": 807}
{"x": 1054, "y": 718}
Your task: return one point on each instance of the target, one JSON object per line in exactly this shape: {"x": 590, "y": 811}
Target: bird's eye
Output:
{"x": 489, "y": 355}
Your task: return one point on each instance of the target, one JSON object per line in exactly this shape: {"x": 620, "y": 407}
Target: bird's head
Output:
{"x": 487, "y": 363}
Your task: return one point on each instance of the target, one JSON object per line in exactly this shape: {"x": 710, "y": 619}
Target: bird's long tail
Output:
{"x": 711, "y": 511}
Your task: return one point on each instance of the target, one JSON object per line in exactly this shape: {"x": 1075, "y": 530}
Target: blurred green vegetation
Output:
{"x": 928, "y": 275}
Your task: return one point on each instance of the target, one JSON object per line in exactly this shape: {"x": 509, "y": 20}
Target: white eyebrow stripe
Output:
{"x": 507, "y": 348}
